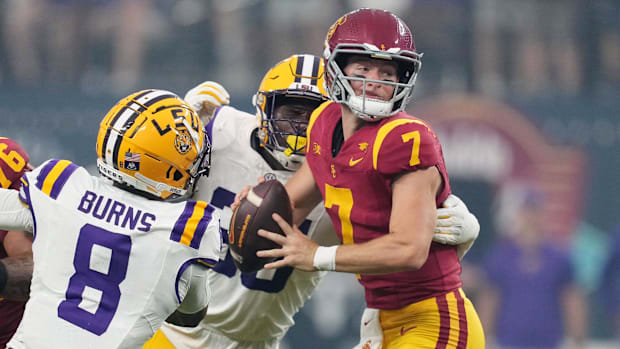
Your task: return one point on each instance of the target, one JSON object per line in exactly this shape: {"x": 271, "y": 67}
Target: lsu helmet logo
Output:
{"x": 183, "y": 143}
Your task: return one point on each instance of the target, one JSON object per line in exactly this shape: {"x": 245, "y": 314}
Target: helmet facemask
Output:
{"x": 367, "y": 108}
{"x": 284, "y": 122}
{"x": 286, "y": 97}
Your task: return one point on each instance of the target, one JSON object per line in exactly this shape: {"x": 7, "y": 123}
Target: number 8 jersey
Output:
{"x": 109, "y": 266}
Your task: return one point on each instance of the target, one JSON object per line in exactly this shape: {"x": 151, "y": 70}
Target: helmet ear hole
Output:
{"x": 177, "y": 175}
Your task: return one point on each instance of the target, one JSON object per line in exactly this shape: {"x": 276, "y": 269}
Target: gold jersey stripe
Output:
{"x": 192, "y": 222}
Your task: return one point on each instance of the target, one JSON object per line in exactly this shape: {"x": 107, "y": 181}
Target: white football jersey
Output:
{"x": 109, "y": 266}
{"x": 247, "y": 307}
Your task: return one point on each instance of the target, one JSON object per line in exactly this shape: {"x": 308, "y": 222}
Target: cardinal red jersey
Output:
{"x": 13, "y": 163}
{"x": 356, "y": 186}
{"x": 10, "y": 312}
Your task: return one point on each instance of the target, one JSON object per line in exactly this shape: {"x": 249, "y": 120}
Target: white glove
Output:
{"x": 205, "y": 97}
{"x": 456, "y": 225}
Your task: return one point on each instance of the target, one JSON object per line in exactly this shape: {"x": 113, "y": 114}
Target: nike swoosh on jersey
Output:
{"x": 404, "y": 330}
{"x": 355, "y": 162}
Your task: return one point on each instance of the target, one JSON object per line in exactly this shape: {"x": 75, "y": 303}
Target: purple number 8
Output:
{"x": 108, "y": 284}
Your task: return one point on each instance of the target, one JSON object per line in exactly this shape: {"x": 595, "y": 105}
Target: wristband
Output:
{"x": 325, "y": 258}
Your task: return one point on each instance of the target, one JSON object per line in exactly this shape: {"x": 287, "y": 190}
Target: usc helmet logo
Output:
{"x": 342, "y": 20}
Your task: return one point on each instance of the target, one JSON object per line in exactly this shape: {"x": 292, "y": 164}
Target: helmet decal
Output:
{"x": 153, "y": 142}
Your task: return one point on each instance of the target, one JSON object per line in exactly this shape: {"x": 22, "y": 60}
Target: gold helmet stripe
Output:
{"x": 125, "y": 118}
{"x": 113, "y": 140}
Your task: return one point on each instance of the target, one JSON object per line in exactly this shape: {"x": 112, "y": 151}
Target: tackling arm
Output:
{"x": 15, "y": 276}
{"x": 16, "y": 269}
{"x": 194, "y": 306}
{"x": 456, "y": 225}
{"x": 13, "y": 215}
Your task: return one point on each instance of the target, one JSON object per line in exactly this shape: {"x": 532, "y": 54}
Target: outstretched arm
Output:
{"x": 14, "y": 215}
{"x": 15, "y": 276}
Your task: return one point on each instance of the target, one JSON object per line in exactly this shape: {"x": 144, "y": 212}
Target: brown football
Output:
{"x": 254, "y": 213}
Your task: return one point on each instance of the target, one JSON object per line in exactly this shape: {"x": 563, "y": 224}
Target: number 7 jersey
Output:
{"x": 109, "y": 266}
{"x": 356, "y": 185}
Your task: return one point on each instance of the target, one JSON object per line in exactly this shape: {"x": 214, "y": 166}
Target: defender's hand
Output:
{"x": 205, "y": 97}
{"x": 456, "y": 225}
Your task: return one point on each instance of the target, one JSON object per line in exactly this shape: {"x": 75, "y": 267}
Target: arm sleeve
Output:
{"x": 198, "y": 293}
{"x": 13, "y": 214}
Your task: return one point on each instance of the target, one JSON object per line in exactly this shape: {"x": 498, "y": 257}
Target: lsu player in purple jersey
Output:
{"x": 15, "y": 246}
{"x": 381, "y": 175}
{"x": 256, "y": 310}
{"x": 116, "y": 256}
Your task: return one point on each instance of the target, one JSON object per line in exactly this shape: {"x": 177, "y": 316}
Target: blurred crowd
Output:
{"x": 498, "y": 48}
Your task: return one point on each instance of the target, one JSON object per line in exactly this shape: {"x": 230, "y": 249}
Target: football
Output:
{"x": 254, "y": 213}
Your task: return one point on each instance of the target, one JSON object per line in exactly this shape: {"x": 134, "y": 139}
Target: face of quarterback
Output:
{"x": 376, "y": 69}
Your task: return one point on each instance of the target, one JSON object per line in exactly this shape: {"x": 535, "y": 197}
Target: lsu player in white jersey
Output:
{"x": 115, "y": 257}
{"x": 256, "y": 310}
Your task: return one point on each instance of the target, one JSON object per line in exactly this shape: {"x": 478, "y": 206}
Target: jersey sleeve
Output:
{"x": 197, "y": 293}
{"x": 404, "y": 145}
{"x": 13, "y": 214}
{"x": 198, "y": 227}
{"x": 211, "y": 247}
{"x": 49, "y": 178}
{"x": 223, "y": 128}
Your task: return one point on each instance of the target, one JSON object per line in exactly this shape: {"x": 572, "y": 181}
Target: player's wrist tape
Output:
{"x": 325, "y": 258}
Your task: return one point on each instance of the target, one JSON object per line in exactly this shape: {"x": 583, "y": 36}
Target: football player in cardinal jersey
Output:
{"x": 256, "y": 310}
{"x": 381, "y": 175}
{"x": 115, "y": 257}
{"x": 15, "y": 246}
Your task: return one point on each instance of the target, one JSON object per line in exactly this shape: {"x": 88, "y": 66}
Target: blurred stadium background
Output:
{"x": 521, "y": 92}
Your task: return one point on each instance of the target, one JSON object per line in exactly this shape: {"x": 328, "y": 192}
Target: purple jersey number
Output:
{"x": 223, "y": 198}
{"x": 84, "y": 276}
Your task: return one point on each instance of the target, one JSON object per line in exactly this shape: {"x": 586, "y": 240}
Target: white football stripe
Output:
{"x": 254, "y": 199}
{"x": 306, "y": 69}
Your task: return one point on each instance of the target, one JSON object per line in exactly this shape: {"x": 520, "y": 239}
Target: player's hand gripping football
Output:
{"x": 205, "y": 97}
{"x": 297, "y": 249}
{"x": 456, "y": 225}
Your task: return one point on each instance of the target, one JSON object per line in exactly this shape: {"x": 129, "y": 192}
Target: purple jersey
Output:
{"x": 530, "y": 286}
{"x": 357, "y": 190}
{"x": 10, "y": 312}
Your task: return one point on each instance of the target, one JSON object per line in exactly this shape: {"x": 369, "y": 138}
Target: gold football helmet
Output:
{"x": 153, "y": 143}
{"x": 288, "y": 94}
